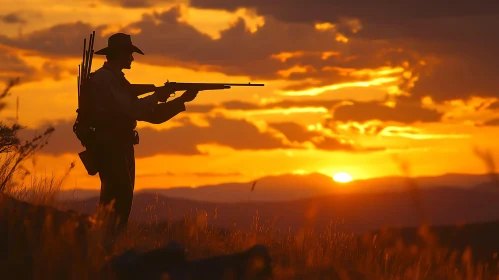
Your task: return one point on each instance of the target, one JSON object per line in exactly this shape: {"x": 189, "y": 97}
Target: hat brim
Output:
{"x": 108, "y": 50}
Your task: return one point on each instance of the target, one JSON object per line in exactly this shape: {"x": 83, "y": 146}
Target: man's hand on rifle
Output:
{"x": 163, "y": 93}
{"x": 189, "y": 95}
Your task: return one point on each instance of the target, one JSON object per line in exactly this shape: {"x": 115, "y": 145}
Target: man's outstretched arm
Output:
{"x": 164, "y": 111}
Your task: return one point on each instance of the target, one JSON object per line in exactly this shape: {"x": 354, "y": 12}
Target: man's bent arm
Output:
{"x": 136, "y": 108}
{"x": 165, "y": 111}
{"x": 139, "y": 89}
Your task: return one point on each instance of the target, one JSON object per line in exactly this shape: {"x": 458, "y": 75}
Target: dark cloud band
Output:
{"x": 238, "y": 134}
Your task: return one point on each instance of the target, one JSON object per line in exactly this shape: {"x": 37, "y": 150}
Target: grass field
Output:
{"x": 46, "y": 246}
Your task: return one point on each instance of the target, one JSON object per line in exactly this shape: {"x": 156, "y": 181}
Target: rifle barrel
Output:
{"x": 246, "y": 85}
{"x": 87, "y": 57}
{"x": 220, "y": 84}
{"x": 92, "y": 38}
{"x": 78, "y": 81}
{"x": 82, "y": 75}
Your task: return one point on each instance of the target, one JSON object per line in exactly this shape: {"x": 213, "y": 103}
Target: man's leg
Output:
{"x": 117, "y": 176}
{"x": 124, "y": 208}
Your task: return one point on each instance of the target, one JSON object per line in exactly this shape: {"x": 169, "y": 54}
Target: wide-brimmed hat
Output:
{"x": 119, "y": 42}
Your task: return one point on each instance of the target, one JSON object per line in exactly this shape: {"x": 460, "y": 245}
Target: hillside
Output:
{"x": 360, "y": 212}
{"x": 289, "y": 187}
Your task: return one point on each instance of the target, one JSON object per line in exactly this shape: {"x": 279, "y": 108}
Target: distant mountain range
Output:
{"x": 290, "y": 187}
{"x": 359, "y": 212}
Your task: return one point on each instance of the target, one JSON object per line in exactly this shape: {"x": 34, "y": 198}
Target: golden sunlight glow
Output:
{"x": 342, "y": 177}
{"x": 415, "y": 133}
{"x": 212, "y": 22}
{"x": 326, "y": 55}
{"x": 427, "y": 100}
{"x": 317, "y": 91}
{"x": 295, "y": 69}
{"x": 315, "y": 127}
{"x": 134, "y": 31}
{"x": 286, "y": 111}
{"x": 324, "y": 26}
{"x": 283, "y": 56}
{"x": 369, "y": 127}
{"x": 110, "y": 29}
{"x": 394, "y": 90}
{"x": 382, "y": 71}
{"x": 390, "y": 104}
{"x": 459, "y": 110}
{"x": 341, "y": 38}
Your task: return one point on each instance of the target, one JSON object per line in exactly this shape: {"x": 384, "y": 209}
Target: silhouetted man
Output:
{"x": 114, "y": 111}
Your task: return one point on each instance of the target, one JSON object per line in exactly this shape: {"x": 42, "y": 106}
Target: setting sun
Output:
{"x": 342, "y": 177}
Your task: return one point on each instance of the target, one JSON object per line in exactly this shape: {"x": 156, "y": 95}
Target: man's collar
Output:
{"x": 117, "y": 72}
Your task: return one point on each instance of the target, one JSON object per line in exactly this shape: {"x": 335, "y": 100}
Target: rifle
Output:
{"x": 139, "y": 89}
{"x": 81, "y": 126}
{"x": 84, "y": 69}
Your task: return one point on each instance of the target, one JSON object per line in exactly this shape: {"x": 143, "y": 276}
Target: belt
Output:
{"x": 118, "y": 136}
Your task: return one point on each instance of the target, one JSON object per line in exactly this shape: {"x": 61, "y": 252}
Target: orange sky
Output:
{"x": 342, "y": 94}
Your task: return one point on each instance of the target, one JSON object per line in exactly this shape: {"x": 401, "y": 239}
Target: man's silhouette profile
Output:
{"x": 114, "y": 109}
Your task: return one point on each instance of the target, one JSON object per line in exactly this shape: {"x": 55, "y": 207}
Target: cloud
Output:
{"x": 322, "y": 138}
{"x": 391, "y": 12}
{"x": 320, "y": 10}
{"x": 290, "y": 46}
{"x": 458, "y": 43}
{"x": 131, "y": 3}
{"x": 492, "y": 122}
{"x": 12, "y": 18}
{"x": 12, "y": 66}
{"x": 56, "y": 70}
{"x": 444, "y": 52}
{"x": 365, "y": 128}
{"x": 414, "y": 133}
{"x": 250, "y": 106}
{"x": 237, "y": 52}
{"x": 259, "y": 55}
{"x": 403, "y": 112}
{"x": 391, "y": 130}
{"x": 294, "y": 131}
{"x": 238, "y": 134}
{"x": 461, "y": 54}
{"x": 375, "y": 118}
{"x": 493, "y": 106}
{"x": 233, "y": 133}
{"x": 333, "y": 144}
{"x": 62, "y": 40}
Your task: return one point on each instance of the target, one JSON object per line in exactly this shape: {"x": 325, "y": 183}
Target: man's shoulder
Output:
{"x": 102, "y": 74}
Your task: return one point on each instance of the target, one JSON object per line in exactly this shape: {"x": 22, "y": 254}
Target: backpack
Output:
{"x": 82, "y": 127}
